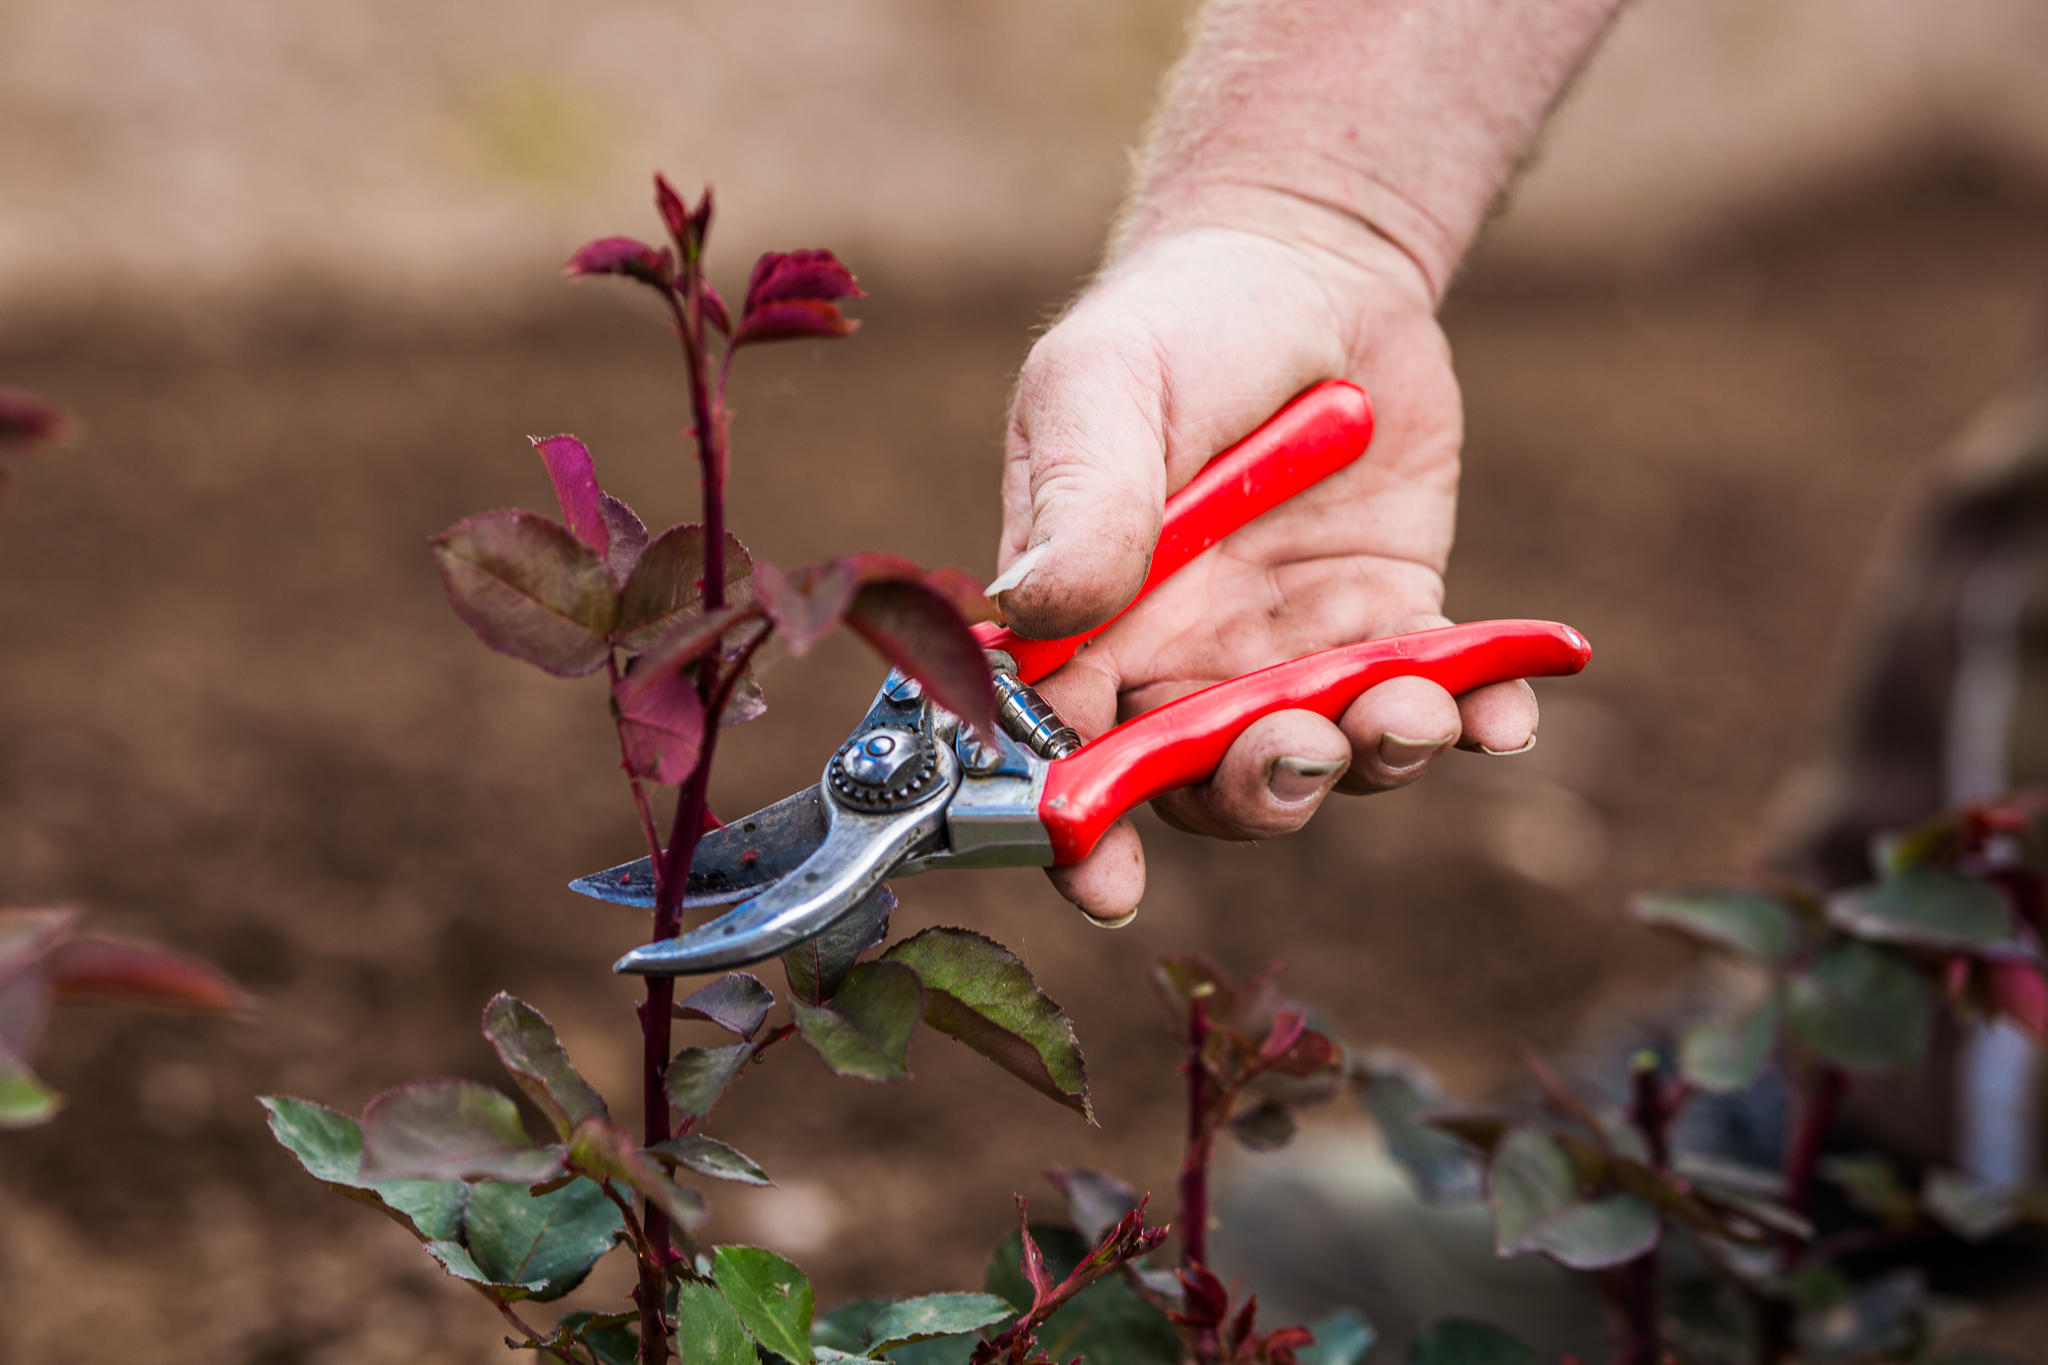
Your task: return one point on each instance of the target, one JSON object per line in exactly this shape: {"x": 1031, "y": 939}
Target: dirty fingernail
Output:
{"x": 1110, "y": 922}
{"x": 1292, "y": 780}
{"x": 1525, "y": 747}
{"x": 1400, "y": 754}
{"x": 1020, "y": 568}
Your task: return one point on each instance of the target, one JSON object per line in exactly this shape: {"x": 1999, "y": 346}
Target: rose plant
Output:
{"x": 675, "y": 622}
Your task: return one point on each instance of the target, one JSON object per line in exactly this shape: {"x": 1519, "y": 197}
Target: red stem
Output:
{"x": 1635, "y": 1290}
{"x": 1811, "y": 1124}
{"x": 1201, "y": 1144}
{"x": 672, "y": 869}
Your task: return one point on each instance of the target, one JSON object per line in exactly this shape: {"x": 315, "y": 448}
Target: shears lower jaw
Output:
{"x": 909, "y": 792}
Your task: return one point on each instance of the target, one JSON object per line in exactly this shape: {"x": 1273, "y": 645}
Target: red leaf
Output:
{"x": 530, "y": 589}
{"x": 806, "y": 603}
{"x": 797, "y": 318}
{"x": 574, "y": 476}
{"x": 661, "y": 727}
{"x": 624, "y": 256}
{"x": 689, "y": 641}
{"x": 1310, "y": 1054}
{"x": 686, "y": 225}
{"x": 783, "y": 276}
{"x": 1207, "y": 1302}
{"x": 1288, "y": 1026}
{"x": 628, "y": 537}
{"x": 1281, "y": 1344}
{"x": 917, "y": 629}
{"x": 1034, "y": 1267}
{"x": 668, "y": 583}
{"x": 100, "y": 967}
{"x": 792, "y": 294}
{"x": 714, "y": 310}
{"x": 1241, "y": 1325}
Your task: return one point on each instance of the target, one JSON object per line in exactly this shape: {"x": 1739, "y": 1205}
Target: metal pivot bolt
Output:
{"x": 885, "y": 768}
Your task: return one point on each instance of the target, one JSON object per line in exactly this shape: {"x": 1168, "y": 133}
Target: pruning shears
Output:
{"x": 914, "y": 790}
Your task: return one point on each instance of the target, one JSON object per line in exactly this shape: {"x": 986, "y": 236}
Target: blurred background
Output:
{"x": 296, "y": 269}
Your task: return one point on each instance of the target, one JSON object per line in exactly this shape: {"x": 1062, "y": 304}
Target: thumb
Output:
{"x": 1084, "y": 478}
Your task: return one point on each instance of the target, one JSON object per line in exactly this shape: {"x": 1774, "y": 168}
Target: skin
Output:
{"x": 1316, "y": 171}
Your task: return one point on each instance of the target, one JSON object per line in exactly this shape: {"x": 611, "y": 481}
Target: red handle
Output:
{"x": 1314, "y": 436}
{"x": 1180, "y": 743}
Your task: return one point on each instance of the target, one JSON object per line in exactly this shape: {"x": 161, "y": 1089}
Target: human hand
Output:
{"x": 1184, "y": 345}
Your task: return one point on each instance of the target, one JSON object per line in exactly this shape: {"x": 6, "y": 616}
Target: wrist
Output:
{"x": 1369, "y": 234}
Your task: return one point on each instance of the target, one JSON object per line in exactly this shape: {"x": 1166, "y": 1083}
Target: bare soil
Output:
{"x": 236, "y": 714}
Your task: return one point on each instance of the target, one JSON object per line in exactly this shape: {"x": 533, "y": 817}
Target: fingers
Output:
{"x": 1107, "y": 884}
{"x": 1270, "y": 780}
{"x": 1084, "y": 480}
{"x": 1500, "y": 719}
{"x": 1396, "y": 731}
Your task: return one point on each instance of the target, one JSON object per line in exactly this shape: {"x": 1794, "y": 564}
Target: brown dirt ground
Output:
{"x": 236, "y": 714}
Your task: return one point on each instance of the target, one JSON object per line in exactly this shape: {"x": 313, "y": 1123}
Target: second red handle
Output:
{"x": 1180, "y": 743}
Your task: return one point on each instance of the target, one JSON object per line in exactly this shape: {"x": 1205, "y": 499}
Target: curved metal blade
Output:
{"x": 731, "y": 864}
{"x": 859, "y": 852}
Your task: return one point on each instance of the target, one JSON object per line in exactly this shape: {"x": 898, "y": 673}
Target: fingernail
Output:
{"x": 1119, "y": 922}
{"x": 1293, "y": 780}
{"x": 1527, "y": 745}
{"x": 1019, "y": 569}
{"x": 1400, "y": 754}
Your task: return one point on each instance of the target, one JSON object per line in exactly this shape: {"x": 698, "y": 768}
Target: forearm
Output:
{"x": 1405, "y": 118}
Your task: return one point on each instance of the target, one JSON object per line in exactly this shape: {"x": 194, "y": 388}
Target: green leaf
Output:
{"x": 736, "y": 1002}
{"x": 1724, "y": 1055}
{"x": 456, "y": 1260}
{"x": 865, "y": 1029}
{"x": 667, "y": 583}
{"x": 1461, "y": 1341}
{"x": 708, "y": 1328}
{"x": 1342, "y": 1338}
{"x": 527, "y": 1045}
{"x": 1400, "y": 1095}
{"x": 600, "y": 1149}
{"x": 816, "y": 967}
{"x": 1745, "y": 922}
{"x": 24, "y": 1100}
{"x": 845, "y": 1328}
{"x": 1529, "y": 1181}
{"x": 1861, "y": 1008}
{"x": 1927, "y": 907}
{"x": 517, "y": 1237}
{"x": 610, "y": 1336}
{"x": 772, "y": 1297}
{"x": 697, "y": 1076}
{"x": 934, "y": 1315}
{"x": 1537, "y": 1207}
{"x": 1265, "y": 1126}
{"x": 977, "y": 992}
{"x": 530, "y": 589}
{"x": 444, "y": 1129}
{"x": 330, "y": 1147}
{"x": 1599, "y": 1232}
{"x": 1106, "y": 1322}
{"x": 709, "y": 1156}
